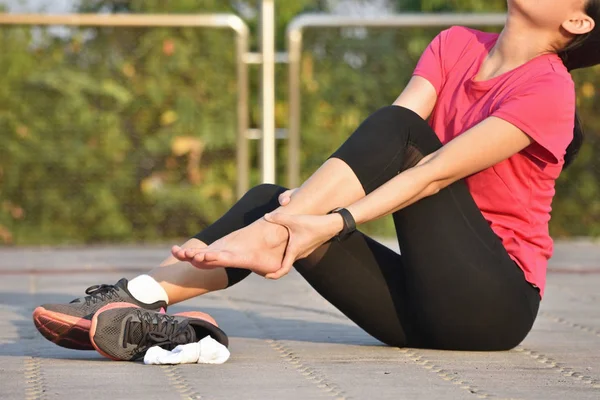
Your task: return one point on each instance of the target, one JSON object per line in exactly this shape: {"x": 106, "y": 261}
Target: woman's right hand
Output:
{"x": 286, "y": 197}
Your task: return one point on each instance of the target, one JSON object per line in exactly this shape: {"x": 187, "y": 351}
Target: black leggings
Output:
{"x": 454, "y": 287}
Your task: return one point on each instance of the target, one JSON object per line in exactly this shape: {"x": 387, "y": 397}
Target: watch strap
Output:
{"x": 349, "y": 223}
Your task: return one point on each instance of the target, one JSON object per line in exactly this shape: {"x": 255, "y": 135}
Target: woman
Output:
{"x": 470, "y": 194}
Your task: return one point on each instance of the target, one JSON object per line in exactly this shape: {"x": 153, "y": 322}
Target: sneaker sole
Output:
{"x": 62, "y": 329}
{"x": 112, "y": 306}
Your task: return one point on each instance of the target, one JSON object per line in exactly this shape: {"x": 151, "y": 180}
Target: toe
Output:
{"x": 191, "y": 253}
{"x": 198, "y": 258}
{"x": 213, "y": 256}
{"x": 177, "y": 252}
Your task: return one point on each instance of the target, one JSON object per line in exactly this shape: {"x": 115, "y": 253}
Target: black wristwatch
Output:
{"x": 349, "y": 223}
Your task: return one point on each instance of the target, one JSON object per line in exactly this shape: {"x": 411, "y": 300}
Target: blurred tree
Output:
{"x": 118, "y": 134}
{"x": 121, "y": 134}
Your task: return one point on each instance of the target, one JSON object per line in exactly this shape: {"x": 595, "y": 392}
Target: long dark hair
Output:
{"x": 582, "y": 52}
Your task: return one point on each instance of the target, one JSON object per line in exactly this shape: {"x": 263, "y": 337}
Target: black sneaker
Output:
{"x": 124, "y": 332}
{"x": 68, "y": 325}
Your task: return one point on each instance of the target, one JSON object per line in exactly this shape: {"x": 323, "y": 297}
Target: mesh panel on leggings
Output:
{"x": 412, "y": 156}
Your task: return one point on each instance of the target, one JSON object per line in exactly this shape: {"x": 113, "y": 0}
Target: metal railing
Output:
{"x": 230, "y": 21}
{"x": 294, "y": 42}
{"x": 294, "y": 36}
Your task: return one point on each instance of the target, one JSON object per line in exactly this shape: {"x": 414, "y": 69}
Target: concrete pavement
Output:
{"x": 288, "y": 343}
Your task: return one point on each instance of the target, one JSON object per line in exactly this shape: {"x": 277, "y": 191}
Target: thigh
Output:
{"x": 364, "y": 280}
{"x": 466, "y": 291}
{"x": 463, "y": 289}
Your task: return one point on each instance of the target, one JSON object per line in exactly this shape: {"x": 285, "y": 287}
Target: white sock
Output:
{"x": 144, "y": 288}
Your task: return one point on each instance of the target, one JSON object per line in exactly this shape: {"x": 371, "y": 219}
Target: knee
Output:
{"x": 397, "y": 117}
{"x": 404, "y": 114}
{"x": 416, "y": 129}
{"x": 391, "y": 128}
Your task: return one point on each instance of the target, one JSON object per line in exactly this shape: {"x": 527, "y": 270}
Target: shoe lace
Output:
{"x": 156, "y": 330}
{"x": 100, "y": 293}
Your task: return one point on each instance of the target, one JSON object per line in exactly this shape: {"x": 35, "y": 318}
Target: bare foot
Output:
{"x": 258, "y": 247}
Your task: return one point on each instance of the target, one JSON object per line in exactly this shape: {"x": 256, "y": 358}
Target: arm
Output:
{"x": 495, "y": 140}
{"x": 419, "y": 96}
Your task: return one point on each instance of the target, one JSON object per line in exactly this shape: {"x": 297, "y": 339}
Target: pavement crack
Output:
{"x": 570, "y": 324}
{"x": 179, "y": 383}
{"x": 445, "y": 374}
{"x": 309, "y": 373}
{"x": 563, "y": 369}
{"x": 35, "y": 381}
{"x": 34, "y": 378}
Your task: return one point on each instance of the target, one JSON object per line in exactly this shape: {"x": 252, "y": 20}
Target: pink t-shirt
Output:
{"x": 515, "y": 196}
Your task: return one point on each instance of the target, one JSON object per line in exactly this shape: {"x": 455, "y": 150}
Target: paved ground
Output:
{"x": 288, "y": 343}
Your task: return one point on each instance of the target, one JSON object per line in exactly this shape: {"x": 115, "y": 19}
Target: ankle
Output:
{"x": 275, "y": 235}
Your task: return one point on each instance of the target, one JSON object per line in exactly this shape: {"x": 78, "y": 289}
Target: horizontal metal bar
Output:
{"x": 256, "y": 134}
{"x": 131, "y": 20}
{"x": 253, "y": 58}
{"x": 282, "y": 58}
{"x": 400, "y": 20}
{"x": 256, "y": 58}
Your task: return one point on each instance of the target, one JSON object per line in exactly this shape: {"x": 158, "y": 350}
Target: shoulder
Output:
{"x": 462, "y": 36}
{"x": 557, "y": 71}
{"x": 548, "y": 77}
{"x": 542, "y": 104}
{"x": 461, "y": 43}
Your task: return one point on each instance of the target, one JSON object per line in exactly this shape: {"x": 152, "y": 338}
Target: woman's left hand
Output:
{"x": 306, "y": 234}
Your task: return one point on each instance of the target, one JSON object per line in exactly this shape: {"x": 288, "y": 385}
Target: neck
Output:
{"x": 517, "y": 44}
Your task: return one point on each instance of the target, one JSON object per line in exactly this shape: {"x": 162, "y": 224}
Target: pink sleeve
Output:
{"x": 431, "y": 63}
{"x": 545, "y": 110}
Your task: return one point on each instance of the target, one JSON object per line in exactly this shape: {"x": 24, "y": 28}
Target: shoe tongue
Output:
{"x": 135, "y": 332}
{"x": 122, "y": 284}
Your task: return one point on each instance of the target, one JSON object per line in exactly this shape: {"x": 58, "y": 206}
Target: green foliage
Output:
{"x": 116, "y": 134}
{"x": 121, "y": 134}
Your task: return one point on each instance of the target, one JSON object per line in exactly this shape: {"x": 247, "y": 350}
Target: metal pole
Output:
{"x": 243, "y": 111}
{"x": 268, "y": 90}
{"x": 294, "y": 39}
{"x": 294, "y": 42}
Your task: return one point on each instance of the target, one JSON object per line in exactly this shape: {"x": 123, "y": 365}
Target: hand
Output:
{"x": 306, "y": 234}
{"x": 286, "y": 197}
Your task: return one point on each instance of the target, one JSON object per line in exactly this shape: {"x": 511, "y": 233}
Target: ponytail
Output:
{"x": 582, "y": 52}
